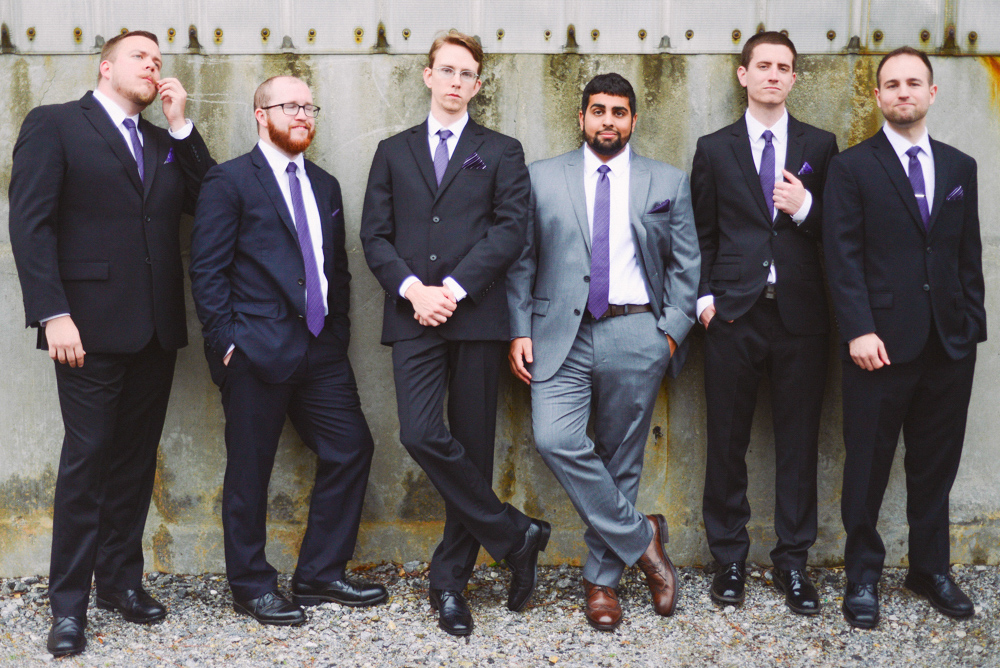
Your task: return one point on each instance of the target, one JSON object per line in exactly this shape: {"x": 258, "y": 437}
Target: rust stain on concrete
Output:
{"x": 170, "y": 507}
{"x": 162, "y": 552}
{"x": 992, "y": 65}
{"x": 865, "y": 116}
{"x": 21, "y": 496}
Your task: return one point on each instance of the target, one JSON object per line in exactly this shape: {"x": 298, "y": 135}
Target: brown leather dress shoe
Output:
{"x": 661, "y": 576}
{"x": 603, "y": 610}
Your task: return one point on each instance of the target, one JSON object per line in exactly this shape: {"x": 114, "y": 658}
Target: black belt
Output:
{"x": 615, "y": 310}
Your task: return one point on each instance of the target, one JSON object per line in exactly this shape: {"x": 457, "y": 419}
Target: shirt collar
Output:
{"x": 278, "y": 160}
{"x": 901, "y": 144}
{"x": 755, "y": 128}
{"x": 433, "y": 125}
{"x": 618, "y": 164}
{"x": 116, "y": 113}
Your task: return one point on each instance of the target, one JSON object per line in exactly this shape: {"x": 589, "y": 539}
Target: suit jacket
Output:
{"x": 92, "y": 240}
{"x": 247, "y": 271}
{"x": 887, "y": 274}
{"x": 471, "y": 227}
{"x": 738, "y": 239}
{"x": 548, "y": 286}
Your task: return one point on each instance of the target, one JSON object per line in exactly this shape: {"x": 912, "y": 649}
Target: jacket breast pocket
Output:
{"x": 262, "y": 309}
{"x": 84, "y": 271}
{"x": 880, "y": 299}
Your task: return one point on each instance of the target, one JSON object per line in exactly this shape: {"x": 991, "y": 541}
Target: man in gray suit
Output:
{"x": 601, "y": 297}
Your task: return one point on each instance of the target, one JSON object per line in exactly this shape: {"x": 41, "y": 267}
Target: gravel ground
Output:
{"x": 203, "y": 630}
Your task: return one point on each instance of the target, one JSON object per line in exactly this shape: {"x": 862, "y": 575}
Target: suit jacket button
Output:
{"x": 433, "y": 258}
{"x": 148, "y": 219}
{"x": 148, "y": 261}
{"x": 774, "y": 233}
{"x": 576, "y": 311}
{"x": 766, "y": 263}
{"x": 435, "y": 219}
{"x": 586, "y": 279}
{"x": 927, "y": 288}
{"x": 302, "y": 281}
{"x": 929, "y": 249}
{"x": 301, "y": 317}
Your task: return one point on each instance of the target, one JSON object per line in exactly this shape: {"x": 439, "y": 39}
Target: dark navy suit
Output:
{"x": 247, "y": 276}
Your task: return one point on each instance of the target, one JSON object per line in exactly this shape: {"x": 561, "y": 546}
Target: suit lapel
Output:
{"x": 422, "y": 155}
{"x": 885, "y": 154}
{"x": 638, "y": 186}
{"x": 322, "y": 195}
{"x": 573, "y": 170}
{"x": 95, "y": 114}
{"x": 151, "y": 155}
{"x": 470, "y": 140}
{"x": 741, "y": 148}
{"x": 270, "y": 185}
{"x": 942, "y": 179}
{"x": 796, "y": 146}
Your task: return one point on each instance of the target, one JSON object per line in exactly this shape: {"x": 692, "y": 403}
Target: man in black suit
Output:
{"x": 272, "y": 288}
{"x": 96, "y": 195}
{"x": 445, "y": 214}
{"x": 757, "y": 187}
{"x": 904, "y": 259}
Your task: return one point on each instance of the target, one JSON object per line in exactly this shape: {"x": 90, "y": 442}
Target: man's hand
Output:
{"x": 174, "y": 98}
{"x": 432, "y": 305}
{"x": 707, "y": 314}
{"x": 64, "y": 341}
{"x": 673, "y": 344}
{"x": 229, "y": 356}
{"x": 789, "y": 194}
{"x": 520, "y": 354}
{"x": 868, "y": 352}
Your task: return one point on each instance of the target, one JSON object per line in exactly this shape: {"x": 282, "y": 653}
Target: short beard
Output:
{"x": 284, "y": 141}
{"x": 610, "y": 149}
{"x": 134, "y": 96}
{"x": 897, "y": 118}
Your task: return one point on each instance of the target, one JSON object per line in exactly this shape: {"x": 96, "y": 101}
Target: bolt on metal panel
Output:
{"x": 889, "y": 24}
{"x": 977, "y": 26}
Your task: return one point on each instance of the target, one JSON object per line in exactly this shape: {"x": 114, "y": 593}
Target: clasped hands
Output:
{"x": 432, "y": 304}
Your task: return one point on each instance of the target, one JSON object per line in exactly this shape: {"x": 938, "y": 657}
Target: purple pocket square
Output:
{"x": 957, "y": 194}
{"x": 334, "y": 215}
{"x": 474, "y": 162}
{"x": 806, "y": 169}
{"x": 170, "y": 156}
{"x": 662, "y": 207}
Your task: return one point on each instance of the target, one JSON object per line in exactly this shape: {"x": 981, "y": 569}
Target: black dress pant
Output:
{"x": 459, "y": 462}
{"x": 737, "y": 356}
{"x": 113, "y": 408}
{"x": 928, "y": 399}
{"x": 321, "y": 399}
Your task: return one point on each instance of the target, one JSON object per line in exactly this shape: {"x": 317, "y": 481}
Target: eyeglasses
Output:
{"x": 467, "y": 76}
{"x": 292, "y": 109}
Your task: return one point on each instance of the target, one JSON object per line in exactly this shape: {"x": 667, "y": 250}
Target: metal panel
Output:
{"x": 890, "y": 24}
{"x": 981, "y": 17}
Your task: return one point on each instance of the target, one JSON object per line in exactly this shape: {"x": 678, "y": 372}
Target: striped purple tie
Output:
{"x": 917, "y": 181}
{"x": 767, "y": 171}
{"x": 600, "y": 250}
{"x": 314, "y": 293}
{"x": 133, "y": 135}
{"x": 441, "y": 154}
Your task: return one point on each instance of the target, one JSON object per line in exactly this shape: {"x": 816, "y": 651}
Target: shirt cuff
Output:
{"x": 184, "y": 132}
{"x": 51, "y": 317}
{"x": 803, "y": 211}
{"x": 703, "y": 303}
{"x": 232, "y": 347}
{"x": 455, "y": 288}
{"x": 405, "y": 285}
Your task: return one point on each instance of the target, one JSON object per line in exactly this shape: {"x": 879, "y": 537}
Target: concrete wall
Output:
{"x": 534, "y": 97}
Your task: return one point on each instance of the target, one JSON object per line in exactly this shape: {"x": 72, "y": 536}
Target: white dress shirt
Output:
{"x": 433, "y": 126}
{"x": 279, "y": 164}
{"x": 626, "y": 285}
{"x": 779, "y": 140}
{"x": 118, "y": 116}
{"x": 901, "y": 145}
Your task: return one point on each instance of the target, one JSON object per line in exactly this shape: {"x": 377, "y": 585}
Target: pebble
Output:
{"x": 202, "y": 629}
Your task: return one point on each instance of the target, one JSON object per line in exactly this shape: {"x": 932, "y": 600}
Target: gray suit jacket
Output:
{"x": 547, "y": 287}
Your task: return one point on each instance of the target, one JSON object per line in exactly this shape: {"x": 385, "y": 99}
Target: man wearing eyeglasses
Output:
{"x": 271, "y": 285}
{"x": 444, "y": 216}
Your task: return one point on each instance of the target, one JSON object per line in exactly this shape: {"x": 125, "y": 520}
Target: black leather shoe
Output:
{"x": 942, "y": 592}
{"x": 355, "y": 593}
{"x": 454, "y": 616}
{"x": 66, "y": 636}
{"x": 729, "y": 584}
{"x": 800, "y": 594}
{"x": 135, "y": 605}
{"x": 271, "y": 608}
{"x": 523, "y": 564}
{"x": 861, "y": 605}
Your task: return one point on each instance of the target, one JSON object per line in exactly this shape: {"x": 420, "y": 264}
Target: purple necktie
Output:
{"x": 600, "y": 250}
{"x": 917, "y": 181}
{"x": 133, "y": 134}
{"x": 441, "y": 154}
{"x": 767, "y": 171}
{"x": 314, "y": 293}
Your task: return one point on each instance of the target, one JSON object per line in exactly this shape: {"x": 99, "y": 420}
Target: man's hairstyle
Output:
{"x": 458, "y": 39}
{"x": 769, "y": 37}
{"x": 262, "y": 96}
{"x": 904, "y": 51}
{"x": 609, "y": 84}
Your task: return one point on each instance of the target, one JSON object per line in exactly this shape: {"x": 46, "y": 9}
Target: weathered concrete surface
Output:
{"x": 535, "y": 98}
